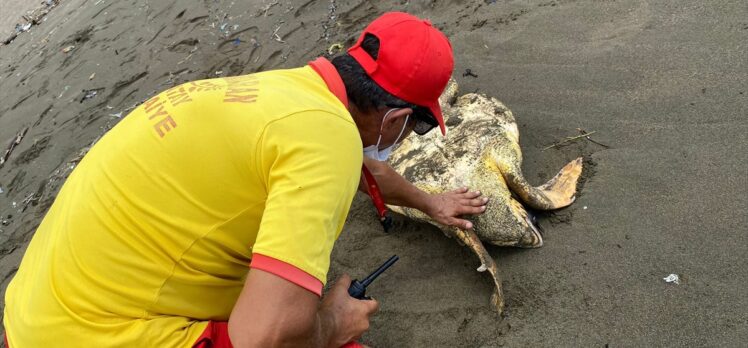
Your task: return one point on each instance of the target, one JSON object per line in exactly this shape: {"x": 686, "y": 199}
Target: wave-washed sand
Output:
{"x": 663, "y": 84}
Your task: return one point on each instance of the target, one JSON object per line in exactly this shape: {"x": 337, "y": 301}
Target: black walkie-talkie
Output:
{"x": 358, "y": 288}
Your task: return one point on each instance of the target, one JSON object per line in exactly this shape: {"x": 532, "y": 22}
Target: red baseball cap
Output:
{"x": 414, "y": 62}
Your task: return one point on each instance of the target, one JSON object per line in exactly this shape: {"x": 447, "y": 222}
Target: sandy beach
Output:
{"x": 664, "y": 85}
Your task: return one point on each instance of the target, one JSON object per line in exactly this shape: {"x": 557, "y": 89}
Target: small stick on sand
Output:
{"x": 12, "y": 145}
{"x": 590, "y": 139}
{"x": 30, "y": 199}
{"x": 267, "y": 7}
{"x": 276, "y": 36}
{"x": 568, "y": 139}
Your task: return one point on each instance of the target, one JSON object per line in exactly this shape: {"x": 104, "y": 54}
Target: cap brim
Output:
{"x": 436, "y": 110}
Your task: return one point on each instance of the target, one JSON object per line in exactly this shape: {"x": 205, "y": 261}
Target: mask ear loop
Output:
{"x": 382, "y": 127}
{"x": 402, "y": 130}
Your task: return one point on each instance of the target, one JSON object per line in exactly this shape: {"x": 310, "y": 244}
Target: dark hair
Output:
{"x": 362, "y": 91}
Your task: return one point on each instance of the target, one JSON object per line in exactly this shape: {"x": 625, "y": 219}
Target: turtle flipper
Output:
{"x": 562, "y": 188}
{"x": 469, "y": 238}
{"x": 556, "y": 193}
{"x": 531, "y": 238}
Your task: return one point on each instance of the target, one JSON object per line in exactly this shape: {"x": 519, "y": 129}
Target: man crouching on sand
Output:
{"x": 149, "y": 241}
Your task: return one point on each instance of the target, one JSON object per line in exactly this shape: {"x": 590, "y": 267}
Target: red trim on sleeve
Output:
{"x": 288, "y": 272}
{"x": 335, "y": 84}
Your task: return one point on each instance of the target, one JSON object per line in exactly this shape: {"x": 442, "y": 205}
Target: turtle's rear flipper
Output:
{"x": 469, "y": 238}
{"x": 556, "y": 193}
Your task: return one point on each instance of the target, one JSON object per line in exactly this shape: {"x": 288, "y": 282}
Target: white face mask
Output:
{"x": 373, "y": 151}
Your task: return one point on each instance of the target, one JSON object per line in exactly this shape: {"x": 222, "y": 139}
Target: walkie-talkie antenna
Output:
{"x": 379, "y": 270}
{"x": 357, "y": 289}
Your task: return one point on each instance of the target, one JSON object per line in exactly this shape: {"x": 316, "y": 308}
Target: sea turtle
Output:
{"x": 481, "y": 151}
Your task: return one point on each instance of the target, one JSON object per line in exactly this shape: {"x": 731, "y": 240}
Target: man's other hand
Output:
{"x": 446, "y": 208}
{"x": 273, "y": 312}
{"x": 349, "y": 316}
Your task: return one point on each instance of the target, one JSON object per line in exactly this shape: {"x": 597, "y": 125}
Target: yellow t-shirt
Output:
{"x": 152, "y": 233}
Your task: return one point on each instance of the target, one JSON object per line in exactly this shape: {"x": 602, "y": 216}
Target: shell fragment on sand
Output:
{"x": 672, "y": 278}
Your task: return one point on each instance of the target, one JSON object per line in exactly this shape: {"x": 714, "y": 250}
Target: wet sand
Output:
{"x": 663, "y": 84}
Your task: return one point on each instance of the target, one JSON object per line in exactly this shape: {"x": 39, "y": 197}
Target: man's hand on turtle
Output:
{"x": 446, "y": 208}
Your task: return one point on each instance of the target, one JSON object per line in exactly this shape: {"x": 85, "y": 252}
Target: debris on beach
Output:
{"x": 264, "y": 10}
{"x": 30, "y": 199}
{"x": 92, "y": 76}
{"x": 23, "y": 28}
{"x": 566, "y": 140}
{"x": 90, "y": 93}
{"x": 587, "y": 136}
{"x": 68, "y": 49}
{"x": 330, "y": 22}
{"x": 469, "y": 72}
{"x": 31, "y": 18}
{"x": 12, "y": 145}
{"x": 672, "y": 278}
{"x": 63, "y": 92}
{"x": 1, "y": 190}
{"x": 225, "y": 28}
{"x": 277, "y": 37}
{"x": 335, "y": 48}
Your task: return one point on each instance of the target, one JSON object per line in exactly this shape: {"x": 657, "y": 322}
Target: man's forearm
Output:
{"x": 395, "y": 189}
{"x": 273, "y": 312}
{"x": 445, "y": 207}
{"x": 325, "y": 327}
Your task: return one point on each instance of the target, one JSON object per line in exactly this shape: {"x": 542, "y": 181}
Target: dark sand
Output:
{"x": 663, "y": 83}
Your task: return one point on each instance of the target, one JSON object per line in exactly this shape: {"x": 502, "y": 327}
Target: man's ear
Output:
{"x": 394, "y": 119}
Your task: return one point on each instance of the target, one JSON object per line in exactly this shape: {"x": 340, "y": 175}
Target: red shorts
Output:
{"x": 216, "y": 335}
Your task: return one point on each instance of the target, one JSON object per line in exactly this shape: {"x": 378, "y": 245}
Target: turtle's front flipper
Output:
{"x": 487, "y": 263}
{"x": 556, "y": 193}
